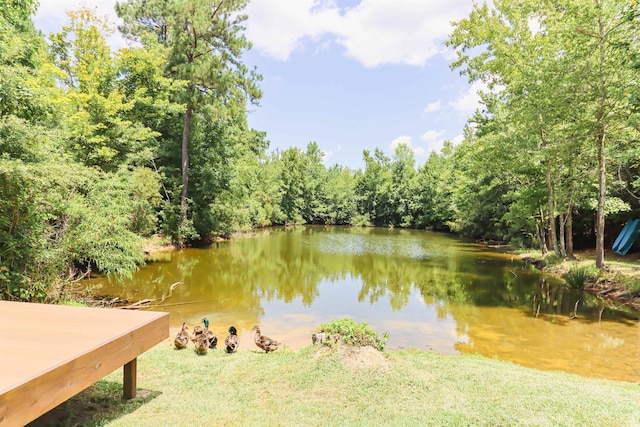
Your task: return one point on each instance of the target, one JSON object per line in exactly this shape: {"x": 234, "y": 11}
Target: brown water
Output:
{"x": 427, "y": 290}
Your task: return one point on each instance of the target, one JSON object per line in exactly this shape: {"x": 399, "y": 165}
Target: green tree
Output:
{"x": 373, "y": 187}
{"x": 260, "y": 176}
{"x": 25, "y": 80}
{"x": 433, "y": 190}
{"x": 26, "y": 88}
{"x": 601, "y": 33}
{"x": 292, "y": 178}
{"x": 99, "y": 132}
{"x": 339, "y": 198}
{"x": 536, "y": 69}
{"x": 203, "y": 43}
{"x": 402, "y": 187}
{"x": 313, "y": 192}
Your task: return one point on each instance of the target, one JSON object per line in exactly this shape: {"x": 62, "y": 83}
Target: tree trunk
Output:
{"x": 600, "y": 140}
{"x": 563, "y": 250}
{"x": 569, "y": 232}
{"x": 185, "y": 170}
{"x": 542, "y": 234}
{"x": 602, "y": 194}
{"x": 553, "y": 237}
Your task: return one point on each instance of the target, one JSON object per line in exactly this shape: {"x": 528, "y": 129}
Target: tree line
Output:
{"x": 100, "y": 149}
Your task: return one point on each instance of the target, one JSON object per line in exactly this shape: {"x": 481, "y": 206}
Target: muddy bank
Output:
{"x": 611, "y": 291}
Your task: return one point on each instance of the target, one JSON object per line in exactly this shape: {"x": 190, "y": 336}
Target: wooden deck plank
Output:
{"x": 49, "y": 353}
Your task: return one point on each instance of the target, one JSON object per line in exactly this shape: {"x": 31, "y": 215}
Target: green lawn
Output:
{"x": 302, "y": 388}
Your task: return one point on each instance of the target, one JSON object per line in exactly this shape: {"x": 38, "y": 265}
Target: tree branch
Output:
{"x": 215, "y": 11}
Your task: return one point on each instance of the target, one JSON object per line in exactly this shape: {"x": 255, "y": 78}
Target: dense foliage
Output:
{"x": 100, "y": 149}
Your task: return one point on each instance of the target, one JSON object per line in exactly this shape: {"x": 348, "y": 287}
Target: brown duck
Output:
{"x": 265, "y": 343}
{"x": 202, "y": 343}
{"x": 182, "y": 339}
{"x": 197, "y": 330}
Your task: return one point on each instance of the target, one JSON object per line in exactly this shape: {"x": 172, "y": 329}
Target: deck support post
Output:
{"x": 129, "y": 380}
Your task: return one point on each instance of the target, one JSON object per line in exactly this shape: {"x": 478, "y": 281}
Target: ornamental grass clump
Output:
{"x": 577, "y": 277}
{"x": 349, "y": 332}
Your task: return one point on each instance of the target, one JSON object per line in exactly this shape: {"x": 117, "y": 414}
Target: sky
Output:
{"x": 351, "y": 75}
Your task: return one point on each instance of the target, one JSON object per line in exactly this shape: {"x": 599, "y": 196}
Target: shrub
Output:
{"x": 21, "y": 227}
{"x": 352, "y": 333}
{"x": 361, "y": 220}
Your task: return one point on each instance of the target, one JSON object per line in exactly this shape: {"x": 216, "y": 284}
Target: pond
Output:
{"x": 426, "y": 290}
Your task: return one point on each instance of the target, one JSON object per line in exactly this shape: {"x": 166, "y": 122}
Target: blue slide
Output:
{"x": 627, "y": 236}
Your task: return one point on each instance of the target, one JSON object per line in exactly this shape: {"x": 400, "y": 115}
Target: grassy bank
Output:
{"x": 354, "y": 387}
{"x": 619, "y": 282}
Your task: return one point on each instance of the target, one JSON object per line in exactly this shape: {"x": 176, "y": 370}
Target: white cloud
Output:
{"x": 457, "y": 139}
{"x": 433, "y": 106}
{"x": 400, "y": 32}
{"x": 433, "y": 139}
{"x": 431, "y": 135}
{"x": 374, "y": 32}
{"x": 277, "y": 27}
{"x": 404, "y": 139}
{"x": 469, "y": 101}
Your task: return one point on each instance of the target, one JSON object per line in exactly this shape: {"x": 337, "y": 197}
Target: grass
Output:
{"x": 578, "y": 275}
{"x": 412, "y": 387}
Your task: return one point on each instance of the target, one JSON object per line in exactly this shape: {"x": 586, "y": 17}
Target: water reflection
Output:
{"x": 427, "y": 290}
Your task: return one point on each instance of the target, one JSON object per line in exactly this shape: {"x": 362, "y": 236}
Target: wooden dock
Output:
{"x": 49, "y": 353}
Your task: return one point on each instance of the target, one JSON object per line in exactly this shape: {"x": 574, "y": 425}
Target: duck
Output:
{"x": 202, "y": 344}
{"x": 231, "y": 343}
{"x": 265, "y": 343}
{"x": 211, "y": 337}
{"x": 182, "y": 339}
{"x": 197, "y": 330}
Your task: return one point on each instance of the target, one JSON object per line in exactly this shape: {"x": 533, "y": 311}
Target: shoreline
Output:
{"x": 610, "y": 283}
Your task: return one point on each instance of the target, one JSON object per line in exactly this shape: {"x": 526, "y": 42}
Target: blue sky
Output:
{"x": 351, "y": 75}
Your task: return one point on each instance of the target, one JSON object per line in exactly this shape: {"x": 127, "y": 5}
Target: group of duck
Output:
{"x": 204, "y": 339}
